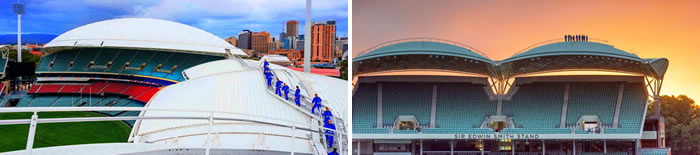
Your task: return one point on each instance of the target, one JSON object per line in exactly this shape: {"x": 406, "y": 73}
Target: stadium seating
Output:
{"x": 138, "y": 92}
{"x": 71, "y": 88}
{"x": 82, "y": 60}
{"x": 632, "y": 110}
{"x": 101, "y": 56}
{"x": 592, "y": 98}
{"x": 536, "y": 108}
{"x": 460, "y": 107}
{"x": 364, "y": 109}
{"x": 406, "y": 99}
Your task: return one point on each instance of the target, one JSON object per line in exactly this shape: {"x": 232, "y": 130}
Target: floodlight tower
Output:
{"x": 19, "y": 10}
{"x": 307, "y": 38}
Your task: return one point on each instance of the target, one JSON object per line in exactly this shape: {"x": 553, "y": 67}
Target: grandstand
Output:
{"x": 433, "y": 96}
{"x": 88, "y": 66}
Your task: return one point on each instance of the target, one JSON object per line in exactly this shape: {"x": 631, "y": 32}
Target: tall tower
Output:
{"x": 18, "y": 8}
{"x": 322, "y": 41}
{"x": 292, "y": 28}
{"x": 307, "y": 43}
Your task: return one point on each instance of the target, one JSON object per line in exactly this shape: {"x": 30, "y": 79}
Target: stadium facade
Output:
{"x": 433, "y": 96}
{"x": 189, "y": 91}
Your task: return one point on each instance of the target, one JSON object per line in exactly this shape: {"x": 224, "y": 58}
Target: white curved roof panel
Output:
{"x": 143, "y": 33}
{"x": 240, "y": 92}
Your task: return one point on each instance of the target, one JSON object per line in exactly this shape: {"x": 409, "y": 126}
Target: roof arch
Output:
{"x": 574, "y": 48}
{"x": 143, "y": 33}
{"x": 422, "y": 53}
{"x": 422, "y": 46}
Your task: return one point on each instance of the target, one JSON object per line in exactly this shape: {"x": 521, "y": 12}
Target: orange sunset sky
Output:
{"x": 669, "y": 29}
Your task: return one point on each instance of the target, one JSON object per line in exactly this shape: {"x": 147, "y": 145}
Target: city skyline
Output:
{"x": 223, "y": 18}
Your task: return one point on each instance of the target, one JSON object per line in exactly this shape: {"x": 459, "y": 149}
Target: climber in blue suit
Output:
{"x": 327, "y": 115}
{"x": 285, "y": 88}
{"x": 266, "y": 66}
{"x": 278, "y": 87}
{"x": 316, "y": 103}
{"x": 268, "y": 76}
{"x": 297, "y": 96}
{"x": 329, "y": 133}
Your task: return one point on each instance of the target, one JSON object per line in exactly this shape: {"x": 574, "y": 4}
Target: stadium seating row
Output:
{"x": 98, "y": 60}
{"x": 79, "y": 101}
{"x": 138, "y": 92}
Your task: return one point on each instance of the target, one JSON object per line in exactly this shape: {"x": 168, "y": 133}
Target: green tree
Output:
{"x": 26, "y": 57}
{"x": 681, "y": 122}
{"x": 343, "y": 69}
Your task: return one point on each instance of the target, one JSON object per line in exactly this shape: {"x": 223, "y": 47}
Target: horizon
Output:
{"x": 223, "y": 18}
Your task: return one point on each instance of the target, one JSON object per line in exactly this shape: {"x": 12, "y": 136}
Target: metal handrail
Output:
{"x": 424, "y": 39}
{"x": 35, "y": 119}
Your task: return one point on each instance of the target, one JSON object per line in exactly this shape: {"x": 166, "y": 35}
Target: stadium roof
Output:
{"x": 421, "y": 53}
{"x": 552, "y": 57}
{"x": 428, "y": 47}
{"x": 143, "y": 33}
{"x": 241, "y": 91}
{"x": 574, "y": 48}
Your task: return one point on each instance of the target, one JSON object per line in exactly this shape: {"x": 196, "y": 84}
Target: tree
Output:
{"x": 26, "y": 57}
{"x": 682, "y": 123}
{"x": 343, "y": 69}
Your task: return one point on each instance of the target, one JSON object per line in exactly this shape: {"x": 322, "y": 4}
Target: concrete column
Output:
{"x": 512, "y": 146}
{"x": 574, "y": 147}
{"x": 618, "y": 106}
{"x": 482, "y": 146}
{"x": 433, "y": 107}
{"x": 544, "y": 147}
{"x": 359, "y": 148}
{"x": 421, "y": 147}
{"x": 605, "y": 146}
{"x": 564, "y": 108}
{"x": 452, "y": 147}
{"x": 499, "y": 106}
{"x": 379, "y": 105}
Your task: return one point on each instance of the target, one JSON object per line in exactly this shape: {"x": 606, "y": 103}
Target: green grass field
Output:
{"x": 14, "y": 137}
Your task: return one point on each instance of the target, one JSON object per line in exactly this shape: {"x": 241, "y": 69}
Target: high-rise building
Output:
{"x": 323, "y": 41}
{"x": 282, "y": 36}
{"x": 261, "y": 41}
{"x": 244, "y": 39}
{"x": 292, "y": 28}
{"x": 232, "y": 40}
{"x": 299, "y": 45}
{"x": 341, "y": 46}
{"x": 290, "y": 42}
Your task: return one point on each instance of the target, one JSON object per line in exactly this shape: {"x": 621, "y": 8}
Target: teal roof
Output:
{"x": 422, "y": 48}
{"x": 574, "y": 48}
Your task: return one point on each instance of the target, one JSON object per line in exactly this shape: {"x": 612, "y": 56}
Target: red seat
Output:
{"x": 71, "y": 88}
{"x": 94, "y": 88}
{"x": 34, "y": 88}
{"x": 146, "y": 96}
{"x": 49, "y": 89}
{"x": 115, "y": 88}
{"x": 135, "y": 90}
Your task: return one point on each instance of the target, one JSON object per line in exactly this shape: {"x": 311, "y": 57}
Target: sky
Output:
{"x": 223, "y": 18}
{"x": 502, "y": 28}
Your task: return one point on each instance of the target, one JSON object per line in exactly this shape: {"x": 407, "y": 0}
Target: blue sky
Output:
{"x": 221, "y": 17}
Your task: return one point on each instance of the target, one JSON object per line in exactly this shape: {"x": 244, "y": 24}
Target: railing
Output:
{"x": 305, "y": 101}
{"x": 423, "y": 39}
{"x": 212, "y": 116}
